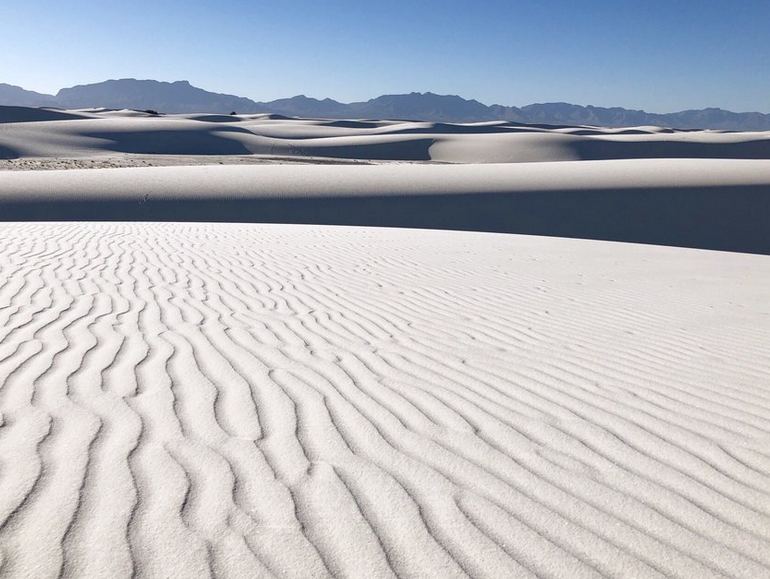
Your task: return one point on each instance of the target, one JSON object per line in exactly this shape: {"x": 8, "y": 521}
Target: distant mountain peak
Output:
{"x": 177, "y": 96}
{"x": 182, "y": 97}
{"x": 15, "y": 95}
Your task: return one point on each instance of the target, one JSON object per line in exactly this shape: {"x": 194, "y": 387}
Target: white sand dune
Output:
{"x": 98, "y": 132}
{"x": 312, "y": 180}
{"x": 184, "y": 400}
{"x": 245, "y": 399}
{"x": 705, "y": 203}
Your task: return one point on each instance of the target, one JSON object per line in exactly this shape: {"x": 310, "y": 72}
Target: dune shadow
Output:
{"x": 351, "y": 124}
{"x": 396, "y": 150}
{"x": 216, "y": 119}
{"x": 720, "y": 218}
{"x": 10, "y": 114}
{"x": 8, "y": 153}
{"x": 171, "y": 142}
{"x": 451, "y": 129}
{"x": 599, "y": 149}
{"x": 592, "y": 132}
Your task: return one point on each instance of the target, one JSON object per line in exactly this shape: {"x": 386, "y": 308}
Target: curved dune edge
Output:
{"x": 704, "y": 203}
{"x": 237, "y": 400}
{"x": 39, "y": 133}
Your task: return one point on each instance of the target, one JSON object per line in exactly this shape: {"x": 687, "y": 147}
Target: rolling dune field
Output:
{"x": 374, "y": 348}
{"x": 120, "y": 136}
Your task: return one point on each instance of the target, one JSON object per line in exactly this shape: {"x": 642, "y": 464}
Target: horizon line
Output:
{"x": 544, "y": 102}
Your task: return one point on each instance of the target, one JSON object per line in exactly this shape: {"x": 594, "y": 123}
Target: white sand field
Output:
{"x": 244, "y": 400}
{"x": 339, "y": 355}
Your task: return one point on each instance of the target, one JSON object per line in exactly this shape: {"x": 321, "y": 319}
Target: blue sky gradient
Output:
{"x": 658, "y": 55}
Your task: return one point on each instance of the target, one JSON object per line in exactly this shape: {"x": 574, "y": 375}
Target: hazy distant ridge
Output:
{"x": 182, "y": 97}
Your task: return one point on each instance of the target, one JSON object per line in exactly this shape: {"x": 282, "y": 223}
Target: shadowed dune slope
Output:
{"x": 193, "y": 400}
{"x": 27, "y": 115}
{"x": 713, "y": 204}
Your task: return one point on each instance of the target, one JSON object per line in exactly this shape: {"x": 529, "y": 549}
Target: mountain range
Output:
{"x": 182, "y": 97}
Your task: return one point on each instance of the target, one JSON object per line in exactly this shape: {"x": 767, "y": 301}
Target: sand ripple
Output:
{"x": 239, "y": 400}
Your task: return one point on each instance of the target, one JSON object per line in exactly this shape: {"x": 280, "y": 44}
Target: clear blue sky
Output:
{"x": 659, "y": 55}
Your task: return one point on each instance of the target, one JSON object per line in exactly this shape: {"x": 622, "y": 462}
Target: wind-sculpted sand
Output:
{"x": 185, "y": 400}
{"x": 238, "y": 399}
{"x": 126, "y": 137}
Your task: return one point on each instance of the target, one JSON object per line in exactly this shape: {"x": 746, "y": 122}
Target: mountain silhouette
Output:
{"x": 182, "y": 97}
{"x": 179, "y": 96}
{"x": 16, "y": 96}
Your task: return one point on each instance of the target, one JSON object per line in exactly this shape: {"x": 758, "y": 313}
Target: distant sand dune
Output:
{"x": 99, "y": 132}
{"x": 239, "y": 400}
